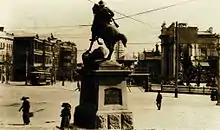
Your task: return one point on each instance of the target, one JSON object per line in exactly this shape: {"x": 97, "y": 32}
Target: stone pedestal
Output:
{"x": 121, "y": 120}
{"x": 103, "y": 99}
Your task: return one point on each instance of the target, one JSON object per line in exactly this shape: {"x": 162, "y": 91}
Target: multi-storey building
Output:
{"x": 205, "y": 46}
{"x": 56, "y": 52}
{"x": 182, "y": 34}
{"x": 196, "y": 48}
{"x": 205, "y": 53}
{"x": 67, "y": 60}
{"x": 6, "y": 45}
{"x": 31, "y": 54}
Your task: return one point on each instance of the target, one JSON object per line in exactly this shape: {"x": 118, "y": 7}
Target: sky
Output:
{"x": 63, "y": 17}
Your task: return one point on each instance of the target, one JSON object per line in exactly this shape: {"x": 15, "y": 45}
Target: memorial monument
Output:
{"x": 103, "y": 95}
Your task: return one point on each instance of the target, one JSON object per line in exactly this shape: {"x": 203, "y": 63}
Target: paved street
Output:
{"x": 188, "y": 112}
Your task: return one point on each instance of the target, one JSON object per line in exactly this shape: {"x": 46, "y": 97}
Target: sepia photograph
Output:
{"x": 109, "y": 65}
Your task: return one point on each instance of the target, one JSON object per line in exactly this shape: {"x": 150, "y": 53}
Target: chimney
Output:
{"x": 1, "y": 29}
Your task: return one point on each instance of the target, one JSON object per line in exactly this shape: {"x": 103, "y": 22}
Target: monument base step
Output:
{"x": 118, "y": 119}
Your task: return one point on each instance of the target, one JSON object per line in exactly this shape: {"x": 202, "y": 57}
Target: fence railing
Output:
{"x": 182, "y": 89}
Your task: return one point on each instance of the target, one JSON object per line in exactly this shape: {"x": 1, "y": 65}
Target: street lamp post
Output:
{"x": 177, "y": 60}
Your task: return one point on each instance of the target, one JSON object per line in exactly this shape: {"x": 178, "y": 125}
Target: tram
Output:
{"x": 40, "y": 78}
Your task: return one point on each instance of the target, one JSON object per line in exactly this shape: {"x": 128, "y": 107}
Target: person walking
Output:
{"x": 78, "y": 86}
{"x": 26, "y": 110}
{"x": 159, "y": 100}
{"x": 65, "y": 116}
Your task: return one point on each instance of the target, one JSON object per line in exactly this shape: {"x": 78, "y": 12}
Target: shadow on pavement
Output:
{"x": 39, "y": 110}
{"x": 17, "y": 124}
{"x": 13, "y": 105}
{"x": 50, "y": 121}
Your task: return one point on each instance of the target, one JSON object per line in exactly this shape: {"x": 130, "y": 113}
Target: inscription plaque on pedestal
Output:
{"x": 113, "y": 96}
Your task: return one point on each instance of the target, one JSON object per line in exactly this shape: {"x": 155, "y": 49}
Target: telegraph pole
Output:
{"x": 177, "y": 60}
{"x": 26, "y": 66}
{"x": 218, "y": 96}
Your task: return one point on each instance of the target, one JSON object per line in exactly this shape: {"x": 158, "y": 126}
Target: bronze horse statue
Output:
{"x": 109, "y": 34}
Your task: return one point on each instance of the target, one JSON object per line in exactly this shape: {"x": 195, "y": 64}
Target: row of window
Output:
{"x": 40, "y": 46}
{"x": 39, "y": 59}
{"x": 2, "y": 57}
{"x": 8, "y": 46}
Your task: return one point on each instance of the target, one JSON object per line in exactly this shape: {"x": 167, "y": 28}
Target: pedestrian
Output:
{"x": 213, "y": 95}
{"x": 65, "y": 116}
{"x": 159, "y": 100}
{"x": 145, "y": 85}
{"x": 78, "y": 86}
{"x": 26, "y": 110}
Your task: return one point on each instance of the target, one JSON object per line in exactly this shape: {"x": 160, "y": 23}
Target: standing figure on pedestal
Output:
{"x": 159, "y": 100}
{"x": 66, "y": 116}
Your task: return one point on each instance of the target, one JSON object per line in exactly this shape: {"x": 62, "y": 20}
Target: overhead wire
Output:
{"x": 124, "y": 15}
{"x": 156, "y": 9}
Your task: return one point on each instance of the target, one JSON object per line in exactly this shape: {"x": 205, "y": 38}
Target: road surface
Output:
{"x": 187, "y": 112}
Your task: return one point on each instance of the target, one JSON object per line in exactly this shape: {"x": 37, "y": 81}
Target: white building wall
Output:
{"x": 6, "y": 44}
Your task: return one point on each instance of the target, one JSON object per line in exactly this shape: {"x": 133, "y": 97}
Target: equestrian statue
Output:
{"x": 102, "y": 28}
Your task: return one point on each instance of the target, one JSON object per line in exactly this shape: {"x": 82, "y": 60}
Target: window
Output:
{"x": 38, "y": 59}
{"x": 203, "y": 52}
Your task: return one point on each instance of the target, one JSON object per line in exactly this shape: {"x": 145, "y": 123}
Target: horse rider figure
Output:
{"x": 103, "y": 16}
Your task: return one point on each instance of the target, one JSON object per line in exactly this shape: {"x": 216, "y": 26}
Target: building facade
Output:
{"x": 176, "y": 35}
{"x": 67, "y": 61}
{"x": 150, "y": 62}
{"x": 195, "y": 48}
{"x": 205, "y": 47}
{"x": 6, "y": 46}
{"x": 31, "y": 54}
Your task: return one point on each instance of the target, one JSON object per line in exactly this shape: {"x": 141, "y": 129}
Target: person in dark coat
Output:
{"x": 78, "y": 86}
{"x": 25, "y": 109}
{"x": 159, "y": 100}
{"x": 65, "y": 115}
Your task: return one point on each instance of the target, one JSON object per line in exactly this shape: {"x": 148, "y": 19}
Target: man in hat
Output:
{"x": 26, "y": 109}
